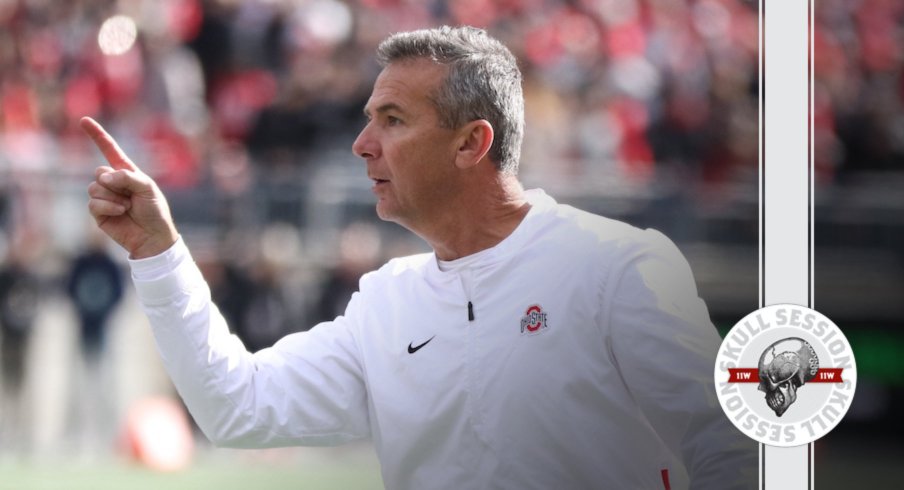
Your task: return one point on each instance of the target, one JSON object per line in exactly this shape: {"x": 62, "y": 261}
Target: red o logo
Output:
{"x": 533, "y": 314}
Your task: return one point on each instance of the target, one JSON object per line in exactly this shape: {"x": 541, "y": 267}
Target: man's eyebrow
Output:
{"x": 389, "y": 106}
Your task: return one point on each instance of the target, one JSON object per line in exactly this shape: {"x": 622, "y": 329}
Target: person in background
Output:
{"x": 95, "y": 287}
{"x": 20, "y": 298}
{"x": 360, "y": 247}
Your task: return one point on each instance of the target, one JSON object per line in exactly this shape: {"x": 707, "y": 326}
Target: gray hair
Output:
{"x": 483, "y": 82}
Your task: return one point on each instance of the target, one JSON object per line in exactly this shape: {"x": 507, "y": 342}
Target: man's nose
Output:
{"x": 365, "y": 146}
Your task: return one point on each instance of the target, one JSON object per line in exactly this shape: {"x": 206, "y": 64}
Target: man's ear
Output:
{"x": 476, "y": 138}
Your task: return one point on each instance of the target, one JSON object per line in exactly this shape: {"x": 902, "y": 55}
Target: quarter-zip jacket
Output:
{"x": 582, "y": 359}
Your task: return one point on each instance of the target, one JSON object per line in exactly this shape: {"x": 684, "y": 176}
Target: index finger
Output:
{"x": 107, "y": 145}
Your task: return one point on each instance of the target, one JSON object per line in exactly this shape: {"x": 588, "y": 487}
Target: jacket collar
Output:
{"x": 541, "y": 207}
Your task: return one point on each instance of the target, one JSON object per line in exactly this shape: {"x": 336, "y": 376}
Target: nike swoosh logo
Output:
{"x": 412, "y": 349}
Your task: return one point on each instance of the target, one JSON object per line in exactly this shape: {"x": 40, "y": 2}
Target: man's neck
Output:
{"x": 479, "y": 220}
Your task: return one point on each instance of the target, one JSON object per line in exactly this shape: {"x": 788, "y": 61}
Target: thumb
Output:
{"x": 107, "y": 145}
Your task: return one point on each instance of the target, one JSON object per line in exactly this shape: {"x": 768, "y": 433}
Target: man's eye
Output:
{"x": 392, "y": 120}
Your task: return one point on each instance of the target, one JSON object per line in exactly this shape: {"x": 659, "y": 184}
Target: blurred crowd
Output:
{"x": 235, "y": 106}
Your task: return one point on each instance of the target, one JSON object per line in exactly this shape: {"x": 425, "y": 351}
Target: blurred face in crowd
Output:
{"x": 410, "y": 158}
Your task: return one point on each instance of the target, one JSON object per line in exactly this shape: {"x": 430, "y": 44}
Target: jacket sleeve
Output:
{"x": 666, "y": 346}
{"x": 308, "y": 389}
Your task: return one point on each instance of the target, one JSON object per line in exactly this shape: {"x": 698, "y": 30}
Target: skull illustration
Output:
{"x": 784, "y": 367}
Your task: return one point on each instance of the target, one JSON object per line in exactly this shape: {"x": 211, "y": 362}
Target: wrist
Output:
{"x": 154, "y": 247}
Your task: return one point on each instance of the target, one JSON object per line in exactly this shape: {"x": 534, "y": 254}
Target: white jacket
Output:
{"x": 586, "y": 361}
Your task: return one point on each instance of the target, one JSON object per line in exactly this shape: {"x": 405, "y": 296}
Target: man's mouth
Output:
{"x": 379, "y": 185}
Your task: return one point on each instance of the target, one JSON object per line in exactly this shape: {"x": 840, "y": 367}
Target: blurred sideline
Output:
{"x": 71, "y": 429}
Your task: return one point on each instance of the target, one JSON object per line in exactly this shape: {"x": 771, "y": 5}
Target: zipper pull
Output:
{"x": 470, "y": 312}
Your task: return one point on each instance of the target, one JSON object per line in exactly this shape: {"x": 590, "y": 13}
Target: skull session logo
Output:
{"x": 780, "y": 375}
{"x": 785, "y": 375}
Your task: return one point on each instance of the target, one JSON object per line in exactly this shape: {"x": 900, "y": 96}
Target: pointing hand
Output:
{"x": 127, "y": 204}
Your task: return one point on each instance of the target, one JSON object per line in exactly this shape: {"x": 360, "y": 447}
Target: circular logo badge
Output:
{"x": 785, "y": 375}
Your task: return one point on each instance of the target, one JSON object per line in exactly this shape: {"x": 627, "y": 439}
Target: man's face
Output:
{"x": 410, "y": 158}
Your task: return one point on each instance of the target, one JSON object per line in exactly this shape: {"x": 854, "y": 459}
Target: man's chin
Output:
{"x": 392, "y": 215}
{"x": 385, "y": 213}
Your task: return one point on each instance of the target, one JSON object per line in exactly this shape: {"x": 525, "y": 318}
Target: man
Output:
{"x": 538, "y": 346}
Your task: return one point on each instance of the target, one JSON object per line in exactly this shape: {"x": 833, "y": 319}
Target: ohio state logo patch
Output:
{"x": 785, "y": 375}
{"x": 534, "y": 320}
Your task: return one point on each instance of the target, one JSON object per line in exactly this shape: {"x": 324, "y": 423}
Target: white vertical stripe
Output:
{"x": 811, "y": 164}
{"x": 762, "y": 142}
{"x": 784, "y": 199}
